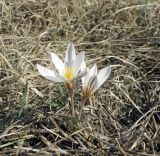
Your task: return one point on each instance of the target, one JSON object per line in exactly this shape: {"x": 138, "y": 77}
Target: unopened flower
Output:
{"x": 66, "y": 71}
{"x": 93, "y": 80}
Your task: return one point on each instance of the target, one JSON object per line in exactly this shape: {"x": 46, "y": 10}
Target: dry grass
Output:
{"x": 124, "y": 117}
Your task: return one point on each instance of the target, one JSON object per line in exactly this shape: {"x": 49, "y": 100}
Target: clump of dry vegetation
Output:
{"x": 123, "y": 117}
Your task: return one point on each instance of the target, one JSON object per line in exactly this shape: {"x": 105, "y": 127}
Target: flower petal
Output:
{"x": 70, "y": 54}
{"x": 103, "y": 75}
{"x": 83, "y": 71}
{"x": 91, "y": 87}
{"x": 92, "y": 82}
{"x": 81, "y": 75}
{"x": 77, "y": 63}
{"x": 57, "y": 62}
{"x": 48, "y": 74}
{"x": 91, "y": 72}
{"x": 94, "y": 85}
{"x": 83, "y": 67}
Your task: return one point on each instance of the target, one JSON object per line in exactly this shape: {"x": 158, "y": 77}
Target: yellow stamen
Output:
{"x": 68, "y": 73}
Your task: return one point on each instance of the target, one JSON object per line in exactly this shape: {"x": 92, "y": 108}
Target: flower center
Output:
{"x": 68, "y": 73}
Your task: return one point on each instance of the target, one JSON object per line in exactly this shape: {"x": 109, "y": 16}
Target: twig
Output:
{"x": 81, "y": 108}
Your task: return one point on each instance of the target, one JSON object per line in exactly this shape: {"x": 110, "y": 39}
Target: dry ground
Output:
{"x": 124, "y": 118}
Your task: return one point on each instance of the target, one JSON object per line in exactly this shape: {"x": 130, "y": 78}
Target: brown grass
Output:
{"x": 123, "y": 118}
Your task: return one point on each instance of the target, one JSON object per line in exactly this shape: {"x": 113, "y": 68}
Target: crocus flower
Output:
{"x": 93, "y": 80}
{"x": 66, "y": 71}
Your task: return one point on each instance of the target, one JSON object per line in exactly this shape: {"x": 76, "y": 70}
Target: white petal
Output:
{"x": 81, "y": 74}
{"x": 48, "y": 74}
{"x": 83, "y": 71}
{"x": 94, "y": 85}
{"x": 83, "y": 79}
{"x": 83, "y": 67}
{"x": 103, "y": 75}
{"x": 91, "y": 72}
{"x": 77, "y": 63}
{"x": 70, "y": 54}
{"x": 57, "y": 62}
{"x": 59, "y": 76}
{"x": 92, "y": 82}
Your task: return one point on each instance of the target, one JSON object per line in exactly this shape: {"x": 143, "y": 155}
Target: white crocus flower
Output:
{"x": 93, "y": 80}
{"x": 66, "y": 71}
